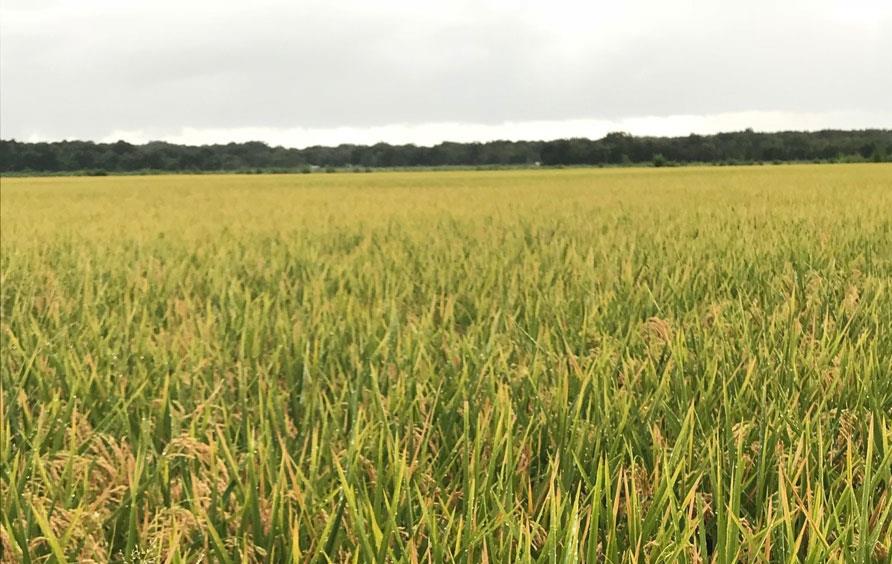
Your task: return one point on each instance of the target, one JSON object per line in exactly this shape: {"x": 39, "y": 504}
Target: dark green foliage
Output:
{"x": 742, "y": 147}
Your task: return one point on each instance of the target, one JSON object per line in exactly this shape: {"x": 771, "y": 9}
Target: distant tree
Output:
{"x": 614, "y": 148}
{"x": 868, "y": 149}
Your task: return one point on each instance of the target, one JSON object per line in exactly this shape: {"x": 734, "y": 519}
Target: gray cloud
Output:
{"x": 88, "y": 69}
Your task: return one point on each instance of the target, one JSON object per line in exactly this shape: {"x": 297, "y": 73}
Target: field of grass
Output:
{"x": 629, "y": 365}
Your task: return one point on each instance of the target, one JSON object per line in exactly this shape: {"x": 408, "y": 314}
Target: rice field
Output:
{"x": 586, "y": 365}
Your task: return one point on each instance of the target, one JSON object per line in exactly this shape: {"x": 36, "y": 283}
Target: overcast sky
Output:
{"x": 298, "y": 73}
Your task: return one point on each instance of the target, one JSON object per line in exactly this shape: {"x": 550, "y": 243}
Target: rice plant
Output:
{"x": 662, "y": 365}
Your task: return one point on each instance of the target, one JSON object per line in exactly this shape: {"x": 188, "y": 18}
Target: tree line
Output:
{"x": 739, "y": 147}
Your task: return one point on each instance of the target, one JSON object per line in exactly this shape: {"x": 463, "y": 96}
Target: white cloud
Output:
{"x": 311, "y": 69}
{"x": 433, "y": 133}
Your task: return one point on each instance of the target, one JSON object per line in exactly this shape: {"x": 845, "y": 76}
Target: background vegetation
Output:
{"x": 622, "y": 365}
{"x": 615, "y": 149}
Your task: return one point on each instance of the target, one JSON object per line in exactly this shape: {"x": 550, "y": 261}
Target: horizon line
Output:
{"x": 108, "y": 141}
